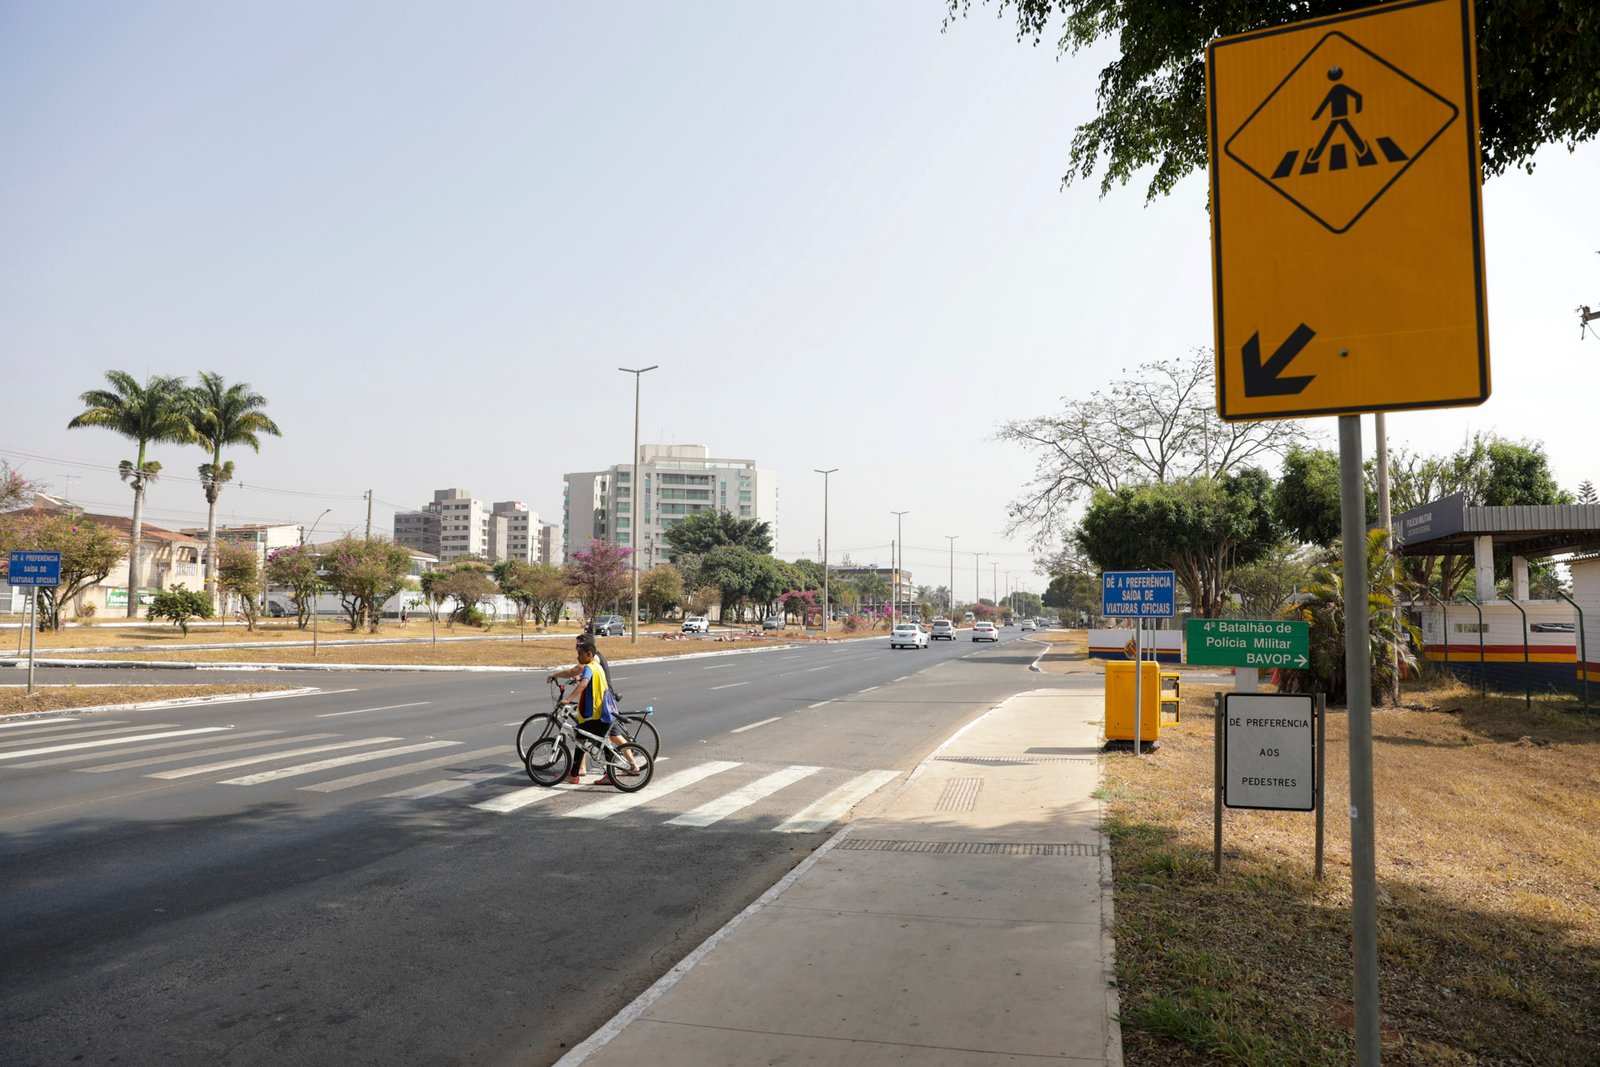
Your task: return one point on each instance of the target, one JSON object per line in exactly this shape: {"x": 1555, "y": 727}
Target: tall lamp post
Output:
{"x": 950, "y": 594}
{"x": 900, "y": 565}
{"x": 634, "y": 499}
{"x": 828, "y": 607}
{"x": 316, "y": 583}
{"x": 994, "y": 583}
{"x": 977, "y": 582}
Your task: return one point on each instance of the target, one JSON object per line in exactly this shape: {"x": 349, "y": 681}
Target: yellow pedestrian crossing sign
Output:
{"x": 1347, "y": 245}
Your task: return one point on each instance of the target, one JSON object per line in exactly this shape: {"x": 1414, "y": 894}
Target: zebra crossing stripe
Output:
{"x": 159, "y": 746}
{"x": 723, "y": 806}
{"x": 336, "y": 761}
{"x": 42, "y": 725}
{"x": 35, "y": 739}
{"x": 446, "y": 785}
{"x": 409, "y": 768}
{"x": 834, "y": 806}
{"x": 671, "y": 784}
{"x": 110, "y": 741}
{"x": 518, "y": 799}
{"x": 229, "y": 765}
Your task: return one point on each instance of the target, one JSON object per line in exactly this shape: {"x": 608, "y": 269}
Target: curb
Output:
{"x": 146, "y": 705}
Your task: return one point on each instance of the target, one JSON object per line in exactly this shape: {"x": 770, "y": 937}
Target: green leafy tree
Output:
{"x": 1324, "y": 608}
{"x": 1200, "y": 529}
{"x": 551, "y": 589}
{"x": 295, "y": 568}
{"x": 151, "y": 413}
{"x": 469, "y": 583}
{"x": 1267, "y": 586}
{"x": 223, "y": 416}
{"x": 239, "y": 575}
{"x": 1586, "y": 493}
{"x": 1156, "y": 427}
{"x": 88, "y": 550}
{"x": 1307, "y": 501}
{"x": 515, "y": 579}
{"x": 179, "y": 605}
{"x": 660, "y": 587}
{"x": 738, "y": 574}
{"x": 365, "y": 574}
{"x": 1536, "y": 62}
{"x": 1072, "y": 594}
{"x": 599, "y": 574}
{"x": 705, "y": 530}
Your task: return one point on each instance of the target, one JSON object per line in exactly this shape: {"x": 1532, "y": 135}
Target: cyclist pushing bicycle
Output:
{"x": 596, "y": 706}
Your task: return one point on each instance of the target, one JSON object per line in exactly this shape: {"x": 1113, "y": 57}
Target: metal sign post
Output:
{"x": 1138, "y": 595}
{"x": 1268, "y": 754}
{"x": 31, "y": 570}
{"x": 1358, "y": 674}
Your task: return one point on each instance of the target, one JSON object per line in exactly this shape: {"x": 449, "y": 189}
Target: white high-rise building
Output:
{"x": 675, "y": 481}
{"x": 455, "y": 525}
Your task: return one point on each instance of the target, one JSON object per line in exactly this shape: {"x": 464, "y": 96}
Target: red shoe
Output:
{"x": 605, "y": 779}
{"x": 574, "y": 779}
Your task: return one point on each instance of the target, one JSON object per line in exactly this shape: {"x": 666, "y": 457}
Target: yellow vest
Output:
{"x": 596, "y": 693}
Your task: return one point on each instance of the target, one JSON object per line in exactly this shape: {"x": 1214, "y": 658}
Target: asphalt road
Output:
{"x": 363, "y": 875}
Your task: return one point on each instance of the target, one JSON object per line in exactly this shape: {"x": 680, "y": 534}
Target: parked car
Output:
{"x": 608, "y": 626}
{"x": 772, "y": 622}
{"x": 908, "y": 635}
{"x": 696, "y": 624}
{"x": 985, "y": 631}
{"x": 1029, "y": 624}
{"x": 944, "y": 629}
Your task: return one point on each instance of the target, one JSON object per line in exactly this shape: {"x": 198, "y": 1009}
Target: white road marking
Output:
{"x": 723, "y": 806}
{"x": 818, "y": 704}
{"x": 290, "y": 754}
{"x": 171, "y": 756}
{"x": 337, "y": 761}
{"x": 518, "y": 799}
{"x": 808, "y": 670}
{"x": 363, "y": 711}
{"x": 870, "y": 688}
{"x": 753, "y": 725}
{"x": 718, "y": 666}
{"x": 444, "y": 785}
{"x": 409, "y": 768}
{"x": 112, "y": 741}
{"x": 730, "y": 685}
{"x": 43, "y": 725}
{"x": 37, "y": 739}
{"x": 627, "y": 801}
{"x": 832, "y": 807}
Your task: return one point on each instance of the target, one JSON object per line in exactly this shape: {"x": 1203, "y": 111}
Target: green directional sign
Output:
{"x": 1263, "y": 643}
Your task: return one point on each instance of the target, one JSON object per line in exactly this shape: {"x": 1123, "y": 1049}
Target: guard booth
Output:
{"x": 1160, "y": 692}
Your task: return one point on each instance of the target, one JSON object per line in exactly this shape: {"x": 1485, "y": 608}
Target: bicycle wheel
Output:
{"x": 643, "y": 734}
{"x": 547, "y": 761}
{"x": 636, "y": 779}
{"x": 538, "y": 725}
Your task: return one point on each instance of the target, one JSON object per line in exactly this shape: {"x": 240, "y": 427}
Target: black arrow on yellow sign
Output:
{"x": 1263, "y": 379}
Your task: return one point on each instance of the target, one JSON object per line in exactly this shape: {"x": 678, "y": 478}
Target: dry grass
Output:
{"x": 1489, "y": 903}
{"x": 15, "y": 699}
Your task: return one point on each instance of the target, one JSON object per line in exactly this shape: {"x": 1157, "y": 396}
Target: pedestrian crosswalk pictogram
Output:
{"x": 1340, "y": 129}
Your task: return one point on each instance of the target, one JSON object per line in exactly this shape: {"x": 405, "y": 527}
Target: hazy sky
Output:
{"x": 430, "y": 234}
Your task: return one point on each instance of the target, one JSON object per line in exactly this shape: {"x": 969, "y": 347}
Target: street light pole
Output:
{"x": 316, "y": 583}
{"x": 994, "y": 583}
{"x": 900, "y": 539}
{"x": 634, "y": 501}
{"x": 827, "y": 608}
{"x": 950, "y": 594}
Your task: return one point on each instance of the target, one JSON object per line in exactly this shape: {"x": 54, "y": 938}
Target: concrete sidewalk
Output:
{"x": 965, "y": 922}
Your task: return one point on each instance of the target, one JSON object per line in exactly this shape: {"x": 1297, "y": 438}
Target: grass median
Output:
{"x": 1489, "y": 901}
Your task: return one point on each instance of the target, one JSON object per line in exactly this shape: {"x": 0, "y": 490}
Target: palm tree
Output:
{"x": 151, "y": 413}
{"x": 223, "y": 415}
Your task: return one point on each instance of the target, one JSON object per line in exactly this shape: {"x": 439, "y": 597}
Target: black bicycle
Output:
{"x": 627, "y": 766}
{"x": 541, "y": 725}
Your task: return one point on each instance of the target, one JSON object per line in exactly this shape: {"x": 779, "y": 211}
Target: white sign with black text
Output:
{"x": 1269, "y": 751}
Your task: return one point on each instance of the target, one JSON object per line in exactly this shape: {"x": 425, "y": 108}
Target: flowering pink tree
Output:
{"x": 88, "y": 553}
{"x": 801, "y": 602}
{"x": 599, "y": 574}
{"x": 295, "y": 569}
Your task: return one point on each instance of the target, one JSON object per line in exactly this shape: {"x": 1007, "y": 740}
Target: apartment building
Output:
{"x": 675, "y": 481}
{"x": 456, "y": 525}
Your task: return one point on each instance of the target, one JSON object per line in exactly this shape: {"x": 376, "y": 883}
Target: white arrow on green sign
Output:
{"x": 1265, "y": 643}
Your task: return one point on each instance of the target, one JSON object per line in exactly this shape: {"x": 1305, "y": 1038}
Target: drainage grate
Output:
{"x": 1000, "y": 760}
{"x": 960, "y": 794}
{"x": 956, "y": 848}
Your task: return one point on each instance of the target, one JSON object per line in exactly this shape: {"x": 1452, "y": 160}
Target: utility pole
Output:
{"x": 977, "y": 583}
{"x": 369, "y": 514}
{"x": 635, "y": 508}
{"x": 900, "y": 538}
{"x": 1387, "y": 522}
{"x": 994, "y": 583}
{"x": 827, "y": 608}
{"x": 950, "y": 594}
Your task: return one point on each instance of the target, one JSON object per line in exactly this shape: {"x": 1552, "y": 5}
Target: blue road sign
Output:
{"x": 1138, "y": 594}
{"x": 35, "y": 568}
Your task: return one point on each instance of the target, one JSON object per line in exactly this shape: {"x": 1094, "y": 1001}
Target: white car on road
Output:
{"x": 985, "y": 631}
{"x": 908, "y": 635}
{"x": 1029, "y": 624}
{"x": 696, "y": 624}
